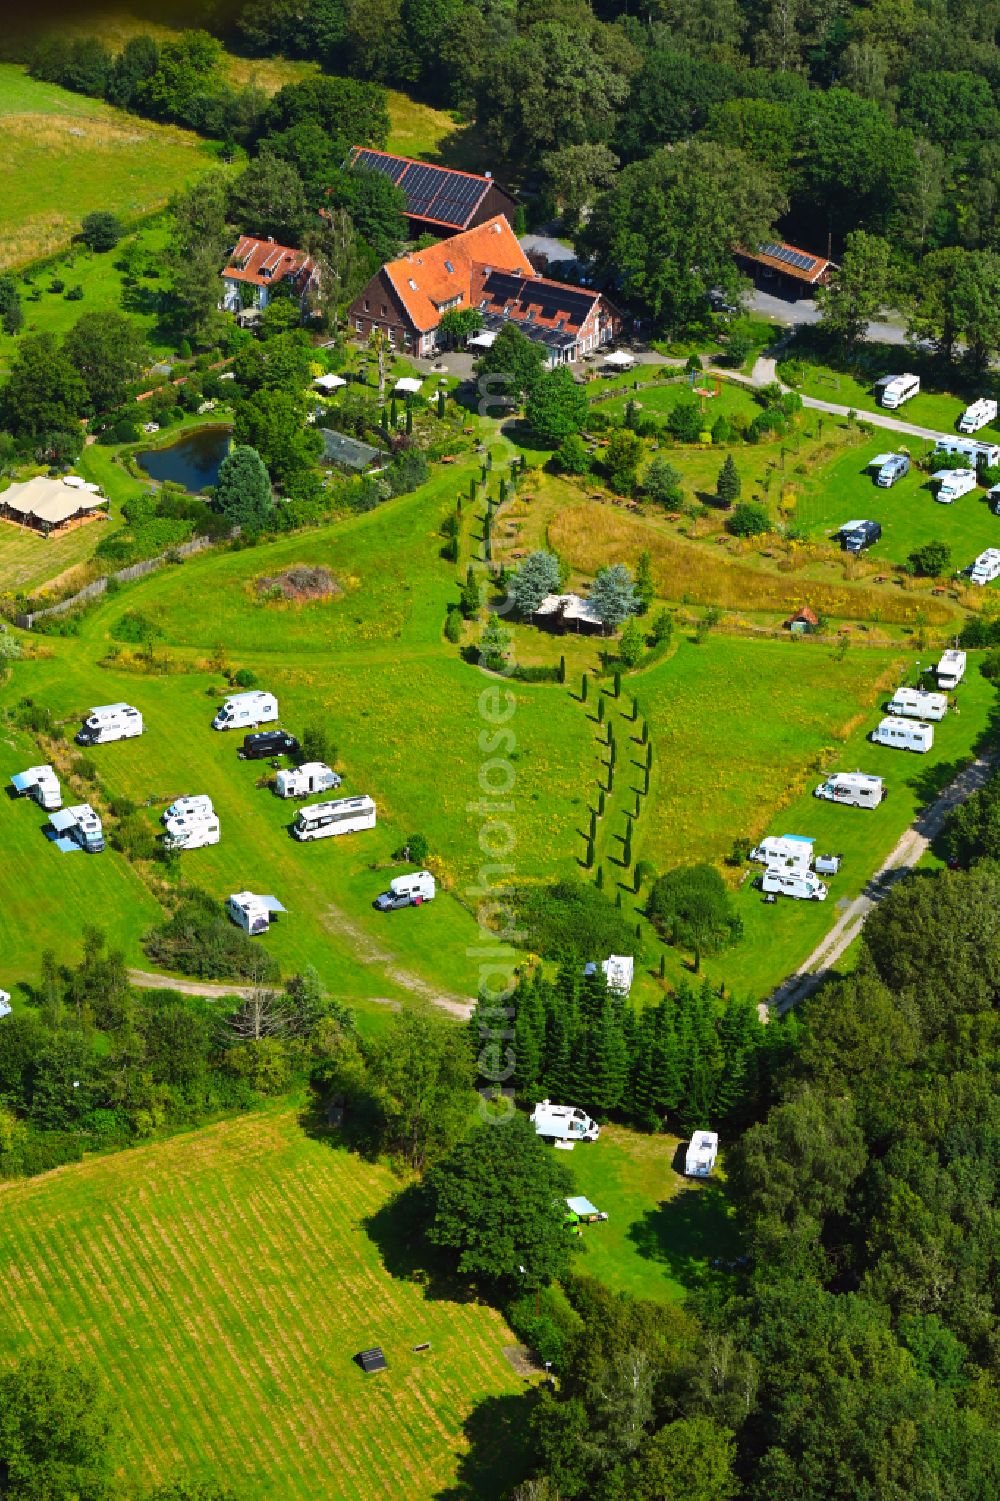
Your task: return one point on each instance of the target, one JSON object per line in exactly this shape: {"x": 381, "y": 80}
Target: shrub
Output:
{"x": 315, "y": 744}
{"x": 748, "y": 520}
{"x": 415, "y": 850}
{"x": 571, "y": 918}
{"x": 930, "y": 561}
{"x": 198, "y": 939}
{"x": 684, "y": 421}
{"x": 572, "y": 457}
{"x": 691, "y": 906}
{"x": 453, "y": 625}
{"x": 134, "y": 628}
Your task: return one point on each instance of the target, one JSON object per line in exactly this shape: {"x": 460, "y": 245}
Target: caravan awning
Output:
{"x": 581, "y": 1206}
{"x": 24, "y": 780}
{"x": 271, "y": 903}
{"x": 63, "y": 820}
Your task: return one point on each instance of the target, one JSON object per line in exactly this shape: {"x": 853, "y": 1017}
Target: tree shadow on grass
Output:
{"x": 397, "y": 1232}
{"x": 688, "y": 1232}
{"x": 499, "y": 1449}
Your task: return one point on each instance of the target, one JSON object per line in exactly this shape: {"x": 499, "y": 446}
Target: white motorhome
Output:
{"x": 953, "y": 483}
{"x": 79, "y": 826}
{"x": 977, "y": 415}
{"x": 110, "y": 722}
{"x": 790, "y": 851}
{"x": 189, "y": 833}
{"x": 986, "y": 568}
{"x": 41, "y": 784}
{"x": 890, "y": 467}
{"x": 904, "y": 734}
{"x": 5, "y": 1006}
{"x": 618, "y": 971}
{"x": 914, "y": 703}
{"x": 972, "y": 450}
{"x": 699, "y": 1159}
{"x": 855, "y": 789}
{"x": 563, "y": 1124}
{"x": 253, "y": 913}
{"x": 408, "y": 891}
{"x": 244, "y": 711}
{"x": 950, "y": 670}
{"x": 303, "y": 781}
{"x": 893, "y": 390}
{"x": 781, "y": 880}
{"x": 345, "y": 815}
{"x": 182, "y": 807}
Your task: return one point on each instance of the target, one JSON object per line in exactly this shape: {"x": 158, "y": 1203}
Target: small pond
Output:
{"x": 193, "y": 461}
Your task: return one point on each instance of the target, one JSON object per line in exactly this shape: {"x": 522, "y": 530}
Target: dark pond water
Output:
{"x": 193, "y": 461}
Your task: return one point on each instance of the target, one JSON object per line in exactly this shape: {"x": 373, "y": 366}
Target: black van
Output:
{"x": 268, "y": 743}
{"x": 853, "y": 538}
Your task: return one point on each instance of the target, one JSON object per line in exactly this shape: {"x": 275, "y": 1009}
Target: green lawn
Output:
{"x": 663, "y": 1231}
{"x": 932, "y": 408}
{"x": 222, "y": 1282}
{"x": 65, "y": 155}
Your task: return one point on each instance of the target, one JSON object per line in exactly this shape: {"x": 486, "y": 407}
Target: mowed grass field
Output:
{"x": 222, "y": 1282}
{"x": 65, "y": 155}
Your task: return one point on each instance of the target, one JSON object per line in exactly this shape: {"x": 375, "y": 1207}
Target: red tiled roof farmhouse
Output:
{"x": 427, "y": 279}
{"x": 264, "y": 264}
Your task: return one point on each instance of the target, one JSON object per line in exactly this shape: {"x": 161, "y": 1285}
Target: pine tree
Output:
{"x": 618, "y": 684}
{"x": 601, "y": 802}
{"x": 393, "y": 414}
{"x": 472, "y": 487}
{"x": 590, "y": 854}
{"x": 562, "y": 669}
{"x": 409, "y": 418}
{"x": 593, "y": 824}
{"x": 727, "y": 488}
{"x": 663, "y": 965}
{"x": 599, "y": 878}
{"x": 440, "y": 405}
{"x": 645, "y": 732}
{"x": 618, "y": 899}
{"x": 583, "y": 689}
{"x": 608, "y": 1062}
{"x": 649, "y": 757}
{"x": 635, "y": 710}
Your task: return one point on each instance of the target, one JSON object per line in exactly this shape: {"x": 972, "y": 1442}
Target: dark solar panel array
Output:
{"x": 457, "y": 198}
{"x": 502, "y": 287}
{"x": 431, "y": 192}
{"x": 790, "y": 257}
{"x": 421, "y": 184}
{"x": 389, "y": 166}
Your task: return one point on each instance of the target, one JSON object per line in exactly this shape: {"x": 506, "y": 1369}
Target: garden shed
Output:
{"x": 802, "y": 622}
{"x": 351, "y": 453}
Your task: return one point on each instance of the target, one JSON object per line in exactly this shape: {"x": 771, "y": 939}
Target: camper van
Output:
{"x": 245, "y": 710}
{"x": 780, "y": 880}
{"x": 904, "y": 734}
{"x": 5, "y": 1006}
{"x": 914, "y": 703}
{"x": 855, "y": 789}
{"x": 79, "y": 825}
{"x": 346, "y": 815}
{"x": 562, "y": 1124}
{"x": 41, "y": 784}
{"x": 791, "y": 851}
{"x": 183, "y": 806}
{"x": 253, "y": 913}
{"x": 892, "y": 390}
{"x": 975, "y": 453}
{"x": 407, "y": 891}
{"x": 889, "y": 468}
{"x": 953, "y": 483}
{"x": 855, "y": 536}
{"x": 699, "y": 1159}
{"x": 977, "y": 415}
{"x": 986, "y": 568}
{"x": 950, "y": 670}
{"x": 303, "y": 781}
{"x": 192, "y": 833}
{"x": 110, "y": 722}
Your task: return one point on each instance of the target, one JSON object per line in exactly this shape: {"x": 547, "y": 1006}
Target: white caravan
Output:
{"x": 953, "y": 483}
{"x": 893, "y": 390}
{"x": 951, "y": 670}
{"x": 699, "y": 1159}
{"x": 904, "y": 734}
{"x": 41, "y": 784}
{"x": 972, "y": 450}
{"x": 244, "y": 711}
{"x": 200, "y": 802}
{"x": 303, "y": 781}
{"x": 563, "y": 1124}
{"x": 618, "y": 971}
{"x": 914, "y": 703}
{"x": 855, "y": 789}
{"x": 253, "y": 913}
{"x": 110, "y": 722}
{"x": 192, "y": 833}
{"x": 891, "y": 467}
{"x": 790, "y": 851}
{"x": 407, "y": 891}
{"x": 5, "y": 1006}
{"x": 794, "y": 881}
{"x": 977, "y": 415}
{"x": 79, "y": 825}
{"x": 986, "y": 568}
{"x": 345, "y": 815}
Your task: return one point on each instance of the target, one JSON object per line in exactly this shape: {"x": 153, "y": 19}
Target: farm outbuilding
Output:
{"x": 568, "y": 612}
{"x": 351, "y": 453}
{"x": 802, "y": 622}
{"x": 46, "y": 504}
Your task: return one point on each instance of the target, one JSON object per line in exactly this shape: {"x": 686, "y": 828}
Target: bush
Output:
{"x": 200, "y": 940}
{"x": 930, "y": 561}
{"x": 315, "y": 744}
{"x": 134, "y": 628}
{"x": 34, "y": 717}
{"x": 415, "y": 850}
{"x": 75, "y": 294}
{"x": 453, "y": 625}
{"x": 748, "y": 520}
{"x": 244, "y": 678}
{"x": 691, "y": 906}
{"x": 684, "y": 422}
{"x": 122, "y": 431}
{"x": 572, "y": 457}
{"x": 572, "y": 919}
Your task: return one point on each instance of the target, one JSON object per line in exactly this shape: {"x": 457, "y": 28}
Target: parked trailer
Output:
{"x": 914, "y": 703}
{"x": 245, "y": 710}
{"x": 303, "y": 781}
{"x": 109, "y": 722}
{"x": 253, "y": 913}
{"x": 782, "y": 880}
{"x": 977, "y": 415}
{"x": 702, "y": 1151}
{"x": 904, "y": 734}
{"x": 893, "y": 390}
{"x": 889, "y": 468}
{"x": 199, "y": 802}
{"x": 345, "y": 815}
{"x": 986, "y": 568}
{"x": 192, "y": 833}
{"x": 950, "y": 670}
{"x": 975, "y": 453}
{"x": 855, "y": 536}
{"x": 79, "y": 825}
{"x": 855, "y": 789}
{"x": 787, "y": 850}
{"x": 563, "y": 1123}
{"x": 407, "y": 891}
{"x": 952, "y": 484}
{"x": 41, "y": 784}
{"x": 5, "y": 1006}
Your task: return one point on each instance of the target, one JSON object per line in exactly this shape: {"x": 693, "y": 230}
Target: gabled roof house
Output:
{"x": 256, "y": 267}
{"x": 786, "y": 268}
{"x": 484, "y": 268}
{"x": 439, "y": 200}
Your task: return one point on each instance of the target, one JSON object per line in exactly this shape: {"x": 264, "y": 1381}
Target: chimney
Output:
{"x": 488, "y": 174}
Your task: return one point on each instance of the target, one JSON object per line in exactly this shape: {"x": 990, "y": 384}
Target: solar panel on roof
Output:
{"x": 457, "y": 196}
{"x": 389, "y": 166}
{"x": 790, "y": 257}
{"x": 420, "y": 184}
